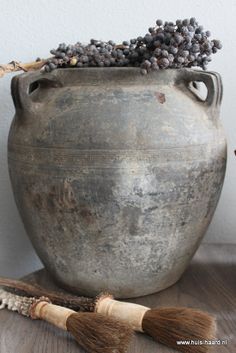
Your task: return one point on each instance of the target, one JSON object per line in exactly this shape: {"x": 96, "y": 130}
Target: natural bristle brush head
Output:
{"x": 172, "y": 324}
{"x": 98, "y": 333}
{"x": 94, "y": 332}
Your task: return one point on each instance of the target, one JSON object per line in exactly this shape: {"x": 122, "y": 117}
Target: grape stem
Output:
{"x": 14, "y": 66}
{"x": 17, "y": 66}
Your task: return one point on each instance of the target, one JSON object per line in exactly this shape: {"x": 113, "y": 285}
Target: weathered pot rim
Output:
{"x": 120, "y": 75}
{"x": 112, "y": 69}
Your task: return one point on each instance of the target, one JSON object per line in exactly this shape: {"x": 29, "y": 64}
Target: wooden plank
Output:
{"x": 209, "y": 284}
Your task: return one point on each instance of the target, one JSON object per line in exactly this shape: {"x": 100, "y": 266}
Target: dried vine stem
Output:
{"x": 71, "y": 301}
{"x": 16, "y": 66}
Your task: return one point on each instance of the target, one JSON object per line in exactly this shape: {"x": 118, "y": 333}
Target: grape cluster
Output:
{"x": 184, "y": 43}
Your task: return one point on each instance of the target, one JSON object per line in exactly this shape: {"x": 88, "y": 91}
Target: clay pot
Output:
{"x": 116, "y": 175}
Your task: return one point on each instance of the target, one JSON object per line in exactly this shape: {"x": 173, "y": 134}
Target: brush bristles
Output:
{"x": 170, "y": 325}
{"x": 97, "y": 333}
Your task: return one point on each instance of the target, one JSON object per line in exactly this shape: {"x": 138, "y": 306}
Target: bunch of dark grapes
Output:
{"x": 167, "y": 45}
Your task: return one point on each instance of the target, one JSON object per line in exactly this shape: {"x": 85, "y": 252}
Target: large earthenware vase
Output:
{"x": 116, "y": 175}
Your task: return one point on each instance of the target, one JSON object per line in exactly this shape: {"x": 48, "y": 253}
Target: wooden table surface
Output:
{"x": 209, "y": 284}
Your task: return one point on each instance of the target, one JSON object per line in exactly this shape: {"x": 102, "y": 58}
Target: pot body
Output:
{"x": 116, "y": 175}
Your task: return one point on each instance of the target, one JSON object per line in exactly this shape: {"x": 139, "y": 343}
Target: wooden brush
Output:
{"x": 94, "y": 332}
{"x": 166, "y": 325}
{"x": 174, "y": 324}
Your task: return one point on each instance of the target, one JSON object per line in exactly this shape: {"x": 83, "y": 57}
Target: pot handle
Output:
{"x": 213, "y": 83}
{"x": 23, "y": 85}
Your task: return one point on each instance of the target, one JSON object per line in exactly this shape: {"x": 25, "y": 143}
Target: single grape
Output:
{"x": 155, "y": 66}
{"x": 60, "y": 54}
{"x": 73, "y": 61}
{"x": 52, "y": 66}
{"x": 171, "y": 58}
{"x": 112, "y": 61}
{"x": 164, "y": 63}
{"x": 157, "y": 52}
{"x": 191, "y": 28}
{"x": 217, "y": 44}
{"x": 147, "y": 63}
{"x": 47, "y": 68}
{"x": 186, "y": 22}
{"x": 184, "y": 30}
{"x": 178, "y": 38}
{"x": 120, "y": 55}
{"x": 164, "y": 53}
{"x": 180, "y": 59}
{"x": 198, "y": 36}
{"x": 192, "y": 21}
{"x": 107, "y": 62}
{"x": 191, "y": 57}
{"x": 173, "y": 50}
{"x": 185, "y": 53}
{"x": 195, "y": 48}
{"x": 159, "y": 22}
{"x": 153, "y": 59}
{"x": 164, "y": 46}
{"x": 160, "y": 36}
{"x": 84, "y": 58}
{"x": 148, "y": 38}
{"x": 157, "y": 43}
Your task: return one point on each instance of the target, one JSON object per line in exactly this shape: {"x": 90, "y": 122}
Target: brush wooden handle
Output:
{"x": 55, "y": 314}
{"x": 130, "y": 313}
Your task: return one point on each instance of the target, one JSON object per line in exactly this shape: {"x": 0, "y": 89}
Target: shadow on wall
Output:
{"x": 17, "y": 256}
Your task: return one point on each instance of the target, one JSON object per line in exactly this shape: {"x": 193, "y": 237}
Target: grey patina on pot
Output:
{"x": 116, "y": 175}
